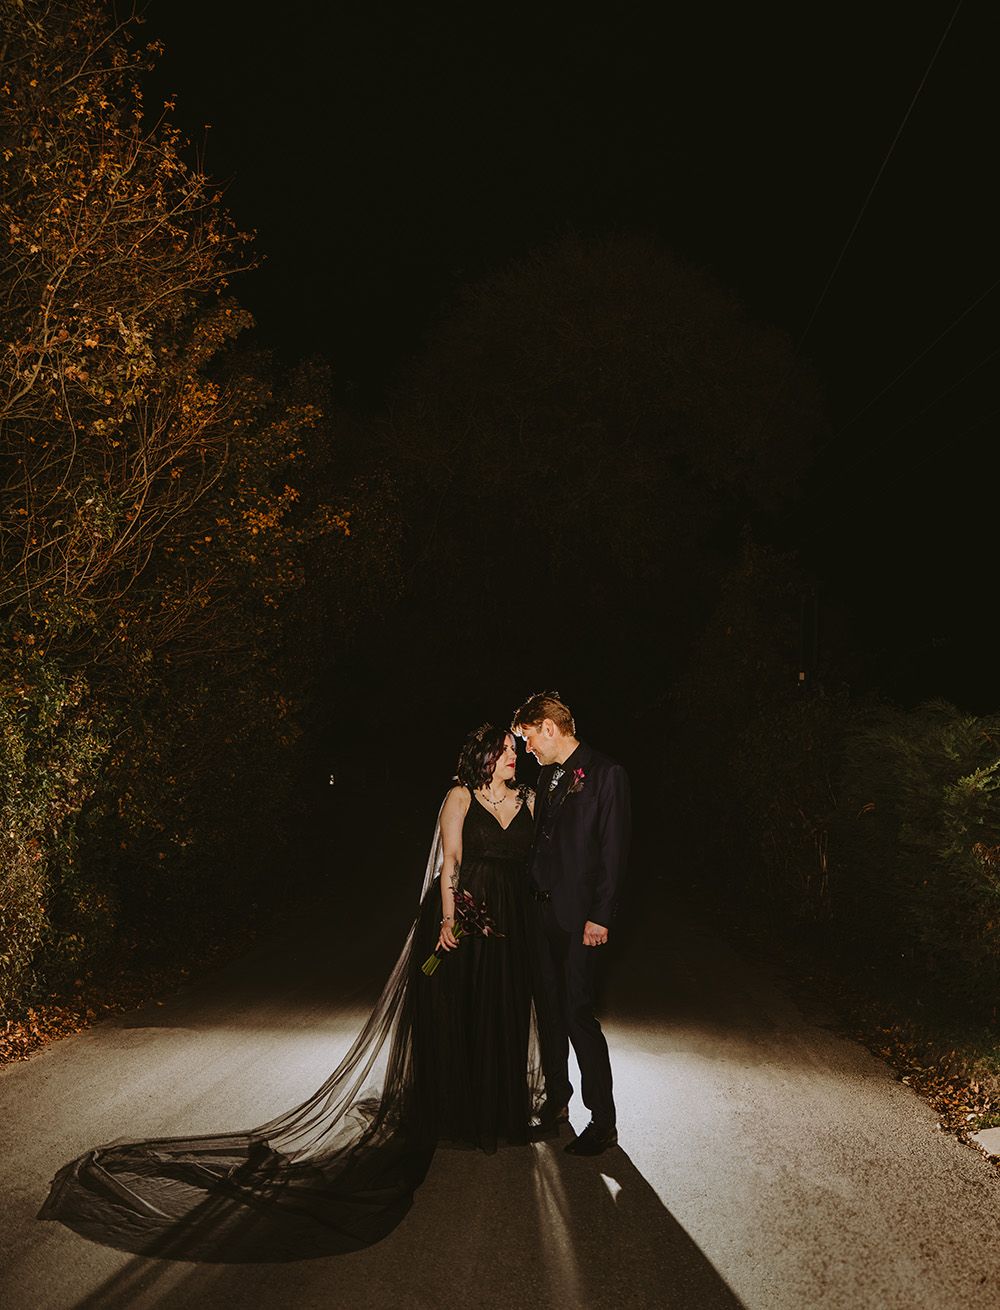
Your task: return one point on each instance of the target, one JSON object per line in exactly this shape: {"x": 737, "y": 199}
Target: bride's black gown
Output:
{"x": 446, "y": 1059}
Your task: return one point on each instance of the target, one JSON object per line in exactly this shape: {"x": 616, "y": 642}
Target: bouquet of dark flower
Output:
{"x": 471, "y": 920}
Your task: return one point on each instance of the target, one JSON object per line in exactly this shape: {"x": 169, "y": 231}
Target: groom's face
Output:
{"x": 540, "y": 739}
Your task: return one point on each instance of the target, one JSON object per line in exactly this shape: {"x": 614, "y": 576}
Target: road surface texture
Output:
{"x": 764, "y": 1161}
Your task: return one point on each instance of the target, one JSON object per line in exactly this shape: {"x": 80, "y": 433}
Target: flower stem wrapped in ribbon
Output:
{"x": 471, "y": 920}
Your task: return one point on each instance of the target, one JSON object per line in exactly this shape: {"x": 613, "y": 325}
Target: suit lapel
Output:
{"x": 558, "y": 797}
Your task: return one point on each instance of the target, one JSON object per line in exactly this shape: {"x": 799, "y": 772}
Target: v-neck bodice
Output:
{"x": 483, "y": 837}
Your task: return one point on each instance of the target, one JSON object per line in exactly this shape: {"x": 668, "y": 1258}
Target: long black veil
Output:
{"x": 333, "y": 1174}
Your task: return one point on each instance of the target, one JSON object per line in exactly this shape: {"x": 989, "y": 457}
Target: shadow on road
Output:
{"x": 529, "y": 1225}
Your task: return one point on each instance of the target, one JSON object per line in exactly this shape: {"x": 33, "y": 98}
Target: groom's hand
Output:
{"x": 594, "y": 934}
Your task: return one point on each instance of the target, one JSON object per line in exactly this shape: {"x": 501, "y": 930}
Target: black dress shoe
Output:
{"x": 592, "y": 1141}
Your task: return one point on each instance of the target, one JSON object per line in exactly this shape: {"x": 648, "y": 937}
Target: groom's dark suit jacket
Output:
{"x": 582, "y": 838}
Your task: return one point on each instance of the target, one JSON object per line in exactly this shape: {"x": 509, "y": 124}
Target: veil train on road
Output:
{"x": 334, "y": 1174}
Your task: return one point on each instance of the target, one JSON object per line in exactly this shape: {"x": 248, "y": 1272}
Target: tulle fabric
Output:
{"x": 449, "y": 1059}
{"x": 475, "y": 1075}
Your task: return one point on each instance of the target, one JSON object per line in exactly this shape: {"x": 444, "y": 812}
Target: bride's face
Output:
{"x": 506, "y": 765}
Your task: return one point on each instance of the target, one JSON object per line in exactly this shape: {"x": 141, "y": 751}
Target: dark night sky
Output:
{"x": 383, "y": 152}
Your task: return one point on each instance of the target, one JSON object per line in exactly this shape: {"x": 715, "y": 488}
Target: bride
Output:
{"x": 449, "y": 1055}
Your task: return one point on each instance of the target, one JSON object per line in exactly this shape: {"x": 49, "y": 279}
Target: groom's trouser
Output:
{"x": 567, "y": 981}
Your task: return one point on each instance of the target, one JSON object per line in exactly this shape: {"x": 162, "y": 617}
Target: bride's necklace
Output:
{"x": 489, "y": 801}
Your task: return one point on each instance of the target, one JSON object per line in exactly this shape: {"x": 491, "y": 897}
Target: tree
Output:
{"x": 118, "y": 254}
{"x": 183, "y": 532}
{"x": 597, "y": 413}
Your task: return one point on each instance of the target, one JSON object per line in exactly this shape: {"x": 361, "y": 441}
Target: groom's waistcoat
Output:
{"x": 581, "y": 841}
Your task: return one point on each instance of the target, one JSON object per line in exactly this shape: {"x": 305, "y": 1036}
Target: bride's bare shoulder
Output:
{"x": 457, "y": 800}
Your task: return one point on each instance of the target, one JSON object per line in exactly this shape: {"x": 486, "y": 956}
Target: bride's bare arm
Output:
{"x": 456, "y": 807}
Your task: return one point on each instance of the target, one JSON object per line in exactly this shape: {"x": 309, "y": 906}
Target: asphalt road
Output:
{"x": 764, "y": 1161}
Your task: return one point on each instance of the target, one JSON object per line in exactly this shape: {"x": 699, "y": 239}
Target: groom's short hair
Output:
{"x": 545, "y": 705}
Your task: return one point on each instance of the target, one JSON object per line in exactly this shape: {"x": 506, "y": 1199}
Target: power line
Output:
{"x": 902, "y": 373}
{"x": 814, "y": 455}
{"x": 877, "y": 445}
{"x": 878, "y": 178}
{"x": 911, "y": 468}
{"x": 857, "y": 222}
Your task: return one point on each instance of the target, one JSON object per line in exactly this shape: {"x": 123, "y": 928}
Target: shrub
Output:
{"x": 50, "y": 755}
{"x": 918, "y": 836}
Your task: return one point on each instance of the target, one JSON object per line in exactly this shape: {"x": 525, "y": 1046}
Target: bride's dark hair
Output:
{"x": 479, "y": 756}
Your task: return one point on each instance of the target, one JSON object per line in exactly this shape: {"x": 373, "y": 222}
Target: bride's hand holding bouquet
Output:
{"x": 470, "y": 920}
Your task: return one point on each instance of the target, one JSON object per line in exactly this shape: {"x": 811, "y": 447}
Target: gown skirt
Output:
{"x": 445, "y": 1059}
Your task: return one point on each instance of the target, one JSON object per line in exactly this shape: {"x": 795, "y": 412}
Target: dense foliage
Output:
{"x": 188, "y": 535}
{"x": 184, "y": 534}
{"x": 580, "y": 440}
{"x": 884, "y": 824}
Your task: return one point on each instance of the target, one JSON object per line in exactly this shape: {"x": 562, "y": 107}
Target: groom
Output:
{"x": 582, "y": 830}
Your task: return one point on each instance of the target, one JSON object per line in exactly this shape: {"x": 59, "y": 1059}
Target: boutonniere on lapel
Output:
{"x": 576, "y": 785}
